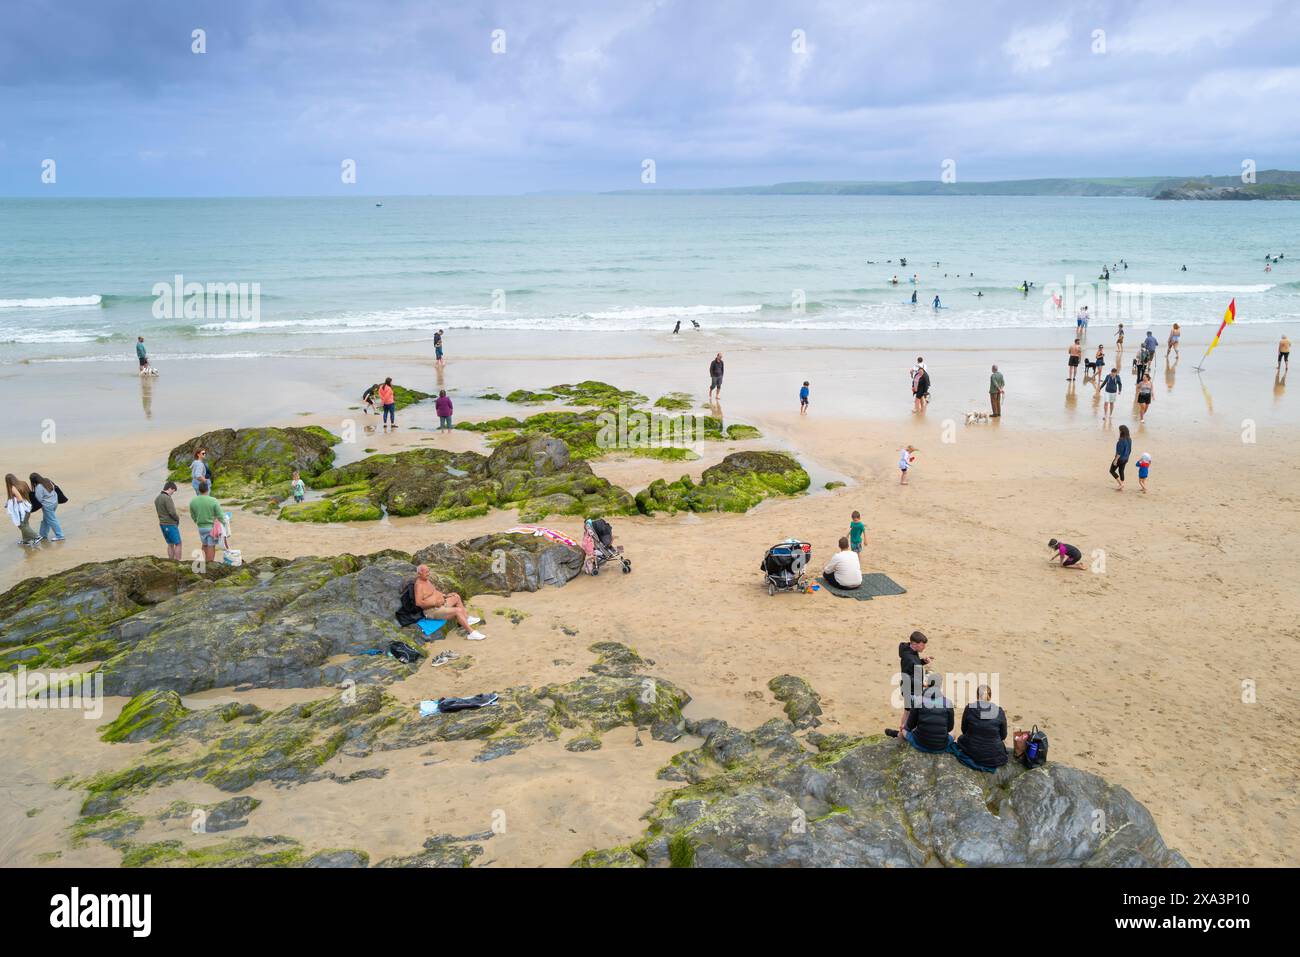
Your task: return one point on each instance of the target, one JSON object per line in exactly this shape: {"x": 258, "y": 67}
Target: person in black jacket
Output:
{"x": 983, "y": 730}
{"x": 911, "y": 666}
{"x": 931, "y": 718}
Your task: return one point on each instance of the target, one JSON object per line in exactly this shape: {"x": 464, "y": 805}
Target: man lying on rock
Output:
{"x": 440, "y": 607}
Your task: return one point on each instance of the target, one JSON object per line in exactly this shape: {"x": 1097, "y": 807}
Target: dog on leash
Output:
{"x": 978, "y": 417}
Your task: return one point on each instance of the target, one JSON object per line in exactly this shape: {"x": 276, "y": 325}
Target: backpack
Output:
{"x": 1035, "y": 749}
{"x": 404, "y": 652}
{"x": 408, "y": 612}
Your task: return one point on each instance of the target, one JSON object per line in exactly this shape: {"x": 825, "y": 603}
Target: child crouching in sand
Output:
{"x": 906, "y": 457}
{"x": 1068, "y": 554}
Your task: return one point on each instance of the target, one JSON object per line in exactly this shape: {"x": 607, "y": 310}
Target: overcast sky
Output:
{"x": 713, "y": 91}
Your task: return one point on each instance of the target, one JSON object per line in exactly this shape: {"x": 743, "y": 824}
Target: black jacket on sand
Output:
{"x": 909, "y": 664}
{"x": 983, "y": 731}
{"x": 931, "y": 720}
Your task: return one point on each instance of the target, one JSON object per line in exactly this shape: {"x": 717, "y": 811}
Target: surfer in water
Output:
{"x": 937, "y": 304}
{"x": 914, "y": 297}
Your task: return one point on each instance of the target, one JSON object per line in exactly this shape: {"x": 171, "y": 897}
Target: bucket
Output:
{"x": 232, "y": 556}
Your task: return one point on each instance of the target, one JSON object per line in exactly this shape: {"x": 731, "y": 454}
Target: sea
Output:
{"x": 233, "y": 278}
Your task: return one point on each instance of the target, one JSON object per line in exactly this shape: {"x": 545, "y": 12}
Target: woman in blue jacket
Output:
{"x": 1123, "y": 449}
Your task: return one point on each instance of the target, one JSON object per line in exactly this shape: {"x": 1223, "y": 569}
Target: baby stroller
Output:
{"x": 598, "y": 543}
{"x": 783, "y": 566}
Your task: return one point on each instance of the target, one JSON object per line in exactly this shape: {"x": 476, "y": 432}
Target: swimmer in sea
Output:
{"x": 914, "y": 297}
{"x": 936, "y": 303}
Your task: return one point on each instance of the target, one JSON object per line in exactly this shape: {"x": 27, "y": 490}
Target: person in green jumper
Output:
{"x": 205, "y": 510}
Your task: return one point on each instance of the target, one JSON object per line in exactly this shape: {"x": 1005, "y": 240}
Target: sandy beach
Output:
{"x": 1136, "y": 667}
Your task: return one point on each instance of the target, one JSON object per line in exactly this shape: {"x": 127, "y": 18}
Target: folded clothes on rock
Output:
{"x": 449, "y": 705}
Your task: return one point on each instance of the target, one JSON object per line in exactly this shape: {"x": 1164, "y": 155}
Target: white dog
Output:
{"x": 982, "y": 417}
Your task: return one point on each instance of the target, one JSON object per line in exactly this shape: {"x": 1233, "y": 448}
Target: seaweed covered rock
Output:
{"x": 258, "y": 462}
{"x": 159, "y": 627}
{"x": 531, "y": 472}
{"x": 736, "y": 484}
{"x": 65, "y": 618}
{"x": 762, "y": 799}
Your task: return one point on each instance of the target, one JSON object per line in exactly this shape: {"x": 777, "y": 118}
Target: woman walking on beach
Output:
{"x": 1123, "y": 449}
{"x": 45, "y": 494}
{"x": 18, "y": 503}
{"x": 1174, "y": 335}
{"x": 443, "y": 407}
{"x": 1144, "y": 396}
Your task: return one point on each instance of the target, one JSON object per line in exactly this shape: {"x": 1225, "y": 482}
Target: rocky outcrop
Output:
{"x": 533, "y": 473}
{"x": 160, "y": 627}
{"x": 766, "y": 799}
{"x": 256, "y": 464}
{"x": 736, "y": 484}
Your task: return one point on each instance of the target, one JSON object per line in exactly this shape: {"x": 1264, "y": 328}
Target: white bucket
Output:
{"x": 233, "y": 557}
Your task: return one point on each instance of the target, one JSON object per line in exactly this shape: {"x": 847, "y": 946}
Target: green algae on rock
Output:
{"x": 256, "y": 463}
{"x": 764, "y": 799}
{"x": 736, "y": 484}
{"x": 533, "y": 473}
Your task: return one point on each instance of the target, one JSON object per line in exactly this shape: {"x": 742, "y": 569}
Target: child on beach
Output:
{"x": 803, "y": 399}
{"x": 299, "y": 489}
{"x": 1144, "y": 469}
{"x": 1068, "y": 554}
{"x": 906, "y": 456}
{"x": 857, "y": 531}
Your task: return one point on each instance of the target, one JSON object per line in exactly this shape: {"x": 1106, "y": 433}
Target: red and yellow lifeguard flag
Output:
{"x": 1228, "y": 318}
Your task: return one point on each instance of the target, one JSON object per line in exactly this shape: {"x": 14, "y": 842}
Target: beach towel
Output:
{"x": 542, "y": 531}
{"x": 873, "y": 585}
{"x": 430, "y": 626}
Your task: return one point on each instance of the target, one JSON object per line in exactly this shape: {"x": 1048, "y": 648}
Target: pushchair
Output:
{"x": 598, "y": 544}
{"x": 783, "y": 566}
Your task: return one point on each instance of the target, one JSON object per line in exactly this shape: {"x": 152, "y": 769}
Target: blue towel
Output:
{"x": 912, "y": 741}
{"x": 430, "y": 625}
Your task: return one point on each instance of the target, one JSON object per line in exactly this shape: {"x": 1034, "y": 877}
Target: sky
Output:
{"x": 514, "y": 96}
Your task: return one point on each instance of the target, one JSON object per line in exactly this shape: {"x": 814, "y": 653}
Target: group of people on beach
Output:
{"x": 24, "y": 499}
{"x": 929, "y": 718}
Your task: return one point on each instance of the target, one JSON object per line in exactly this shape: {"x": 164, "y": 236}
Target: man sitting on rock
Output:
{"x": 440, "y": 607}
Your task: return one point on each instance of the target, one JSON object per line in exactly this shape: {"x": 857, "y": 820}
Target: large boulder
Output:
{"x": 158, "y": 626}
{"x": 531, "y": 472}
{"x": 736, "y": 484}
{"x": 253, "y": 463}
{"x": 762, "y": 799}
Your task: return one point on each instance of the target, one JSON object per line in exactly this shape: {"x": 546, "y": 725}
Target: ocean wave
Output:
{"x": 30, "y": 336}
{"x": 51, "y": 302}
{"x": 170, "y": 357}
{"x": 672, "y": 312}
{"x": 1183, "y": 289}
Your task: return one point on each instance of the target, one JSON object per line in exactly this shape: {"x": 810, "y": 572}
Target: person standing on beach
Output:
{"x": 803, "y": 399}
{"x": 168, "y": 520}
{"x": 1145, "y": 388}
{"x": 715, "y": 377}
{"x": 1174, "y": 335}
{"x": 443, "y": 407}
{"x": 437, "y": 347}
{"x": 18, "y": 503}
{"x": 906, "y": 456}
{"x": 997, "y": 389}
{"x": 1112, "y": 385}
{"x": 857, "y": 531}
{"x": 389, "y": 402}
{"x": 143, "y": 357}
{"x": 1119, "y": 342}
{"x": 1076, "y": 353}
{"x": 911, "y": 668}
{"x": 1123, "y": 449}
{"x": 1284, "y": 353}
{"x": 45, "y": 496}
{"x": 206, "y": 510}
{"x": 198, "y": 469}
